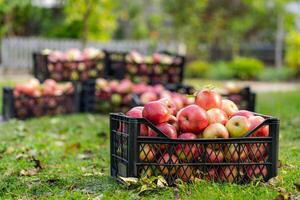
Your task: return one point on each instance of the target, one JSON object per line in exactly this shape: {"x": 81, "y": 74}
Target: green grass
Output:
{"x": 74, "y": 155}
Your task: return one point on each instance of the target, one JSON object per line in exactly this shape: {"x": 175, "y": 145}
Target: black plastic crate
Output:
{"x": 102, "y": 102}
{"x": 151, "y": 73}
{"x": 67, "y": 70}
{"x": 25, "y": 107}
{"x": 133, "y": 155}
{"x": 245, "y": 99}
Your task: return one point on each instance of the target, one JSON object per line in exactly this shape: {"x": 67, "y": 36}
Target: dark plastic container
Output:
{"x": 25, "y": 107}
{"x": 104, "y": 102}
{"x": 133, "y": 155}
{"x": 67, "y": 70}
{"x": 245, "y": 99}
{"x": 151, "y": 73}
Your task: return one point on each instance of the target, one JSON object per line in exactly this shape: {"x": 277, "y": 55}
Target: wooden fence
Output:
{"x": 16, "y": 52}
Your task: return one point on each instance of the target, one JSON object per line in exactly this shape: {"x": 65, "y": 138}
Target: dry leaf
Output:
{"x": 29, "y": 172}
{"x": 85, "y": 155}
{"x": 9, "y": 150}
{"x": 129, "y": 180}
{"x": 98, "y": 197}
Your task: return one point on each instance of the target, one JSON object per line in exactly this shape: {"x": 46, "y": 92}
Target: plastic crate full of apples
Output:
{"x": 69, "y": 65}
{"x": 33, "y": 99}
{"x": 207, "y": 139}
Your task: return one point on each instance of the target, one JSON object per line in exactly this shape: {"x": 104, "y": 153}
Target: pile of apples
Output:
{"x": 115, "y": 94}
{"x": 74, "y": 64}
{"x": 208, "y": 117}
{"x": 155, "y": 68}
{"x": 34, "y": 99}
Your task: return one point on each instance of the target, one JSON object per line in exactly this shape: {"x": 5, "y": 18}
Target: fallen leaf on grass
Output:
{"x": 98, "y": 197}
{"x": 29, "y": 172}
{"x": 85, "y": 155}
{"x": 129, "y": 180}
{"x": 144, "y": 184}
{"x": 59, "y": 143}
{"x": 93, "y": 174}
{"x": 9, "y": 150}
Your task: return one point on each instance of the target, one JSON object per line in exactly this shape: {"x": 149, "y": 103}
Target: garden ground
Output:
{"x": 67, "y": 157}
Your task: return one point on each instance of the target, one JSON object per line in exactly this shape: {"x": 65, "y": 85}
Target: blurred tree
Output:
{"x": 224, "y": 24}
{"x": 92, "y": 19}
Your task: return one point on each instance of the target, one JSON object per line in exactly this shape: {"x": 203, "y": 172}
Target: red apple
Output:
{"x": 148, "y": 97}
{"x": 216, "y": 115}
{"x": 244, "y": 113}
{"x": 255, "y": 121}
{"x": 228, "y": 174}
{"x": 178, "y": 102}
{"x": 192, "y": 119}
{"x": 216, "y": 130}
{"x": 172, "y": 162}
{"x": 136, "y": 112}
{"x": 208, "y": 99}
{"x": 167, "y": 129}
{"x": 229, "y": 107}
{"x": 169, "y": 104}
{"x": 238, "y": 126}
{"x": 147, "y": 153}
{"x": 186, "y": 152}
{"x": 156, "y": 112}
{"x": 124, "y": 87}
{"x": 174, "y": 122}
{"x": 213, "y": 156}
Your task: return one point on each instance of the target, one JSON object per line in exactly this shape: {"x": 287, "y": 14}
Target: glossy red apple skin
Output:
{"x": 174, "y": 122}
{"x": 169, "y": 104}
{"x": 244, "y": 113}
{"x": 216, "y": 130}
{"x": 192, "y": 119}
{"x": 168, "y": 159}
{"x": 186, "y": 152}
{"x": 255, "y": 121}
{"x": 229, "y": 107}
{"x": 147, "y": 97}
{"x": 208, "y": 99}
{"x": 167, "y": 129}
{"x": 136, "y": 112}
{"x": 156, "y": 112}
{"x": 238, "y": 126}
{"x": 216, "y": 115}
